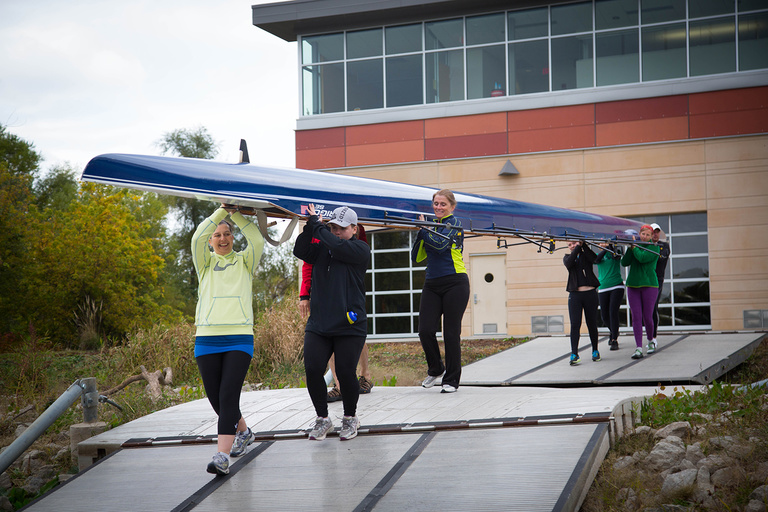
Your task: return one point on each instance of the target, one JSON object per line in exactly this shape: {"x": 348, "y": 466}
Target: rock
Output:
{"x": 31, "y": 461}
{"x": 732, "y": 446}
{"x": 679, "y": 485}
{"x": 5, "y": 504}
{"x": 716, "y": 461}
{"x": 760, "y": 474}
{"x": 756, "y": 506}
{"x": 727, "y": 477}
{"x": 623, "y": 463}
{"x": 629, "y": 498}
{"x": 693, "y": 453}
{"x": 665, "y": 454}
{"x": 679, "y": 429}
{"x": 62, "y": 455}
{"x": 5, "y": 481}
{"x": 20, "y": 428}
{"x": 760, "y": 494}
{"x": 644, "y": 429}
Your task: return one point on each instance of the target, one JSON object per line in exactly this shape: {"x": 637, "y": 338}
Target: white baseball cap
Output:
{"x": 343, "y": 216}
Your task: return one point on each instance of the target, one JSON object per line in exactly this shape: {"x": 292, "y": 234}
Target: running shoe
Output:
{"x": 219, "y": 465}
{"x": 652, "y": 346}
{"x": 638, "y": 353}
{"x": 334, "y": 395}
{"x": 447, "y": 388}
{"x": 242, "y": 440}
{"x": 614, "y": 344}
{"x": 431, "y": 380}
{"x": 596, "y": 356}
{"x": 349, "y": 425}
{"x": 575, "y": 359}
{"x": 320, "y": 429}
{"x": 365, "y": 385}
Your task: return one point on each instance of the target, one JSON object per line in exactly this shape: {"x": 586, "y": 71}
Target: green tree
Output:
{"x": 101, "y": 259}
{"x": 57, "y": 189}
{"x": 19, "y": 164}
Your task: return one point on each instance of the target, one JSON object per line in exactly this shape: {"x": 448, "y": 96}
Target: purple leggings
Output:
{"x": 641, "y": 303}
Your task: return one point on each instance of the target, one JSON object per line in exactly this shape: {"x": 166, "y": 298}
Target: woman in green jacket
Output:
{"x": 642, "y": 288}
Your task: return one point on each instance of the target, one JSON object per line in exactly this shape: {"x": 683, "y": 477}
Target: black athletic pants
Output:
{"x": 610, "y": 309}
{"x": 317, "y": 353}
{"x": 223, "y": 376}
{"x": 586, "y": 302}
{"x": 447, "y": 297}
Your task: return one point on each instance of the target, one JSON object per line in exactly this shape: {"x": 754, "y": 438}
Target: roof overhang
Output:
{"x": 287, "y": 20}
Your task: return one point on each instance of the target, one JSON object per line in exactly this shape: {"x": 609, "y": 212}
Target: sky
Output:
{"x": 86, "y": 77}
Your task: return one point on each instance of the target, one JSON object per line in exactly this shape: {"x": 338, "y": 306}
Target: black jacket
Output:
{"x": 579, "y": 264}
{"x": 338, "y": 280}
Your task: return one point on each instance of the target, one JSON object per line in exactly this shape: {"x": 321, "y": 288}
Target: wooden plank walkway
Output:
{"x": 500, "y": 442}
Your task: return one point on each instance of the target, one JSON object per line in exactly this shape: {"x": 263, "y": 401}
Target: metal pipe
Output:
{"x": 40, "y": 425}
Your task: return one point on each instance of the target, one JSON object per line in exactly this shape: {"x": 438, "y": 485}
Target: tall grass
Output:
{"x": 278, "y": 352}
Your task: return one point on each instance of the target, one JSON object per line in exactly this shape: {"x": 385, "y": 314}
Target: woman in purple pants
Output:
{"x": 642, "y": 288}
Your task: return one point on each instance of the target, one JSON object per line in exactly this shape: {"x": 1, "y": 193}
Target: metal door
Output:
{"x": 488, "y": 275}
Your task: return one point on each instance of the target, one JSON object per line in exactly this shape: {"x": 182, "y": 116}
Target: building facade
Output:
{"x": 655, "y": 110}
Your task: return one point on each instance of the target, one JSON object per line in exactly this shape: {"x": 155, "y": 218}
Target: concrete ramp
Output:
{"x": 685, "y": 358}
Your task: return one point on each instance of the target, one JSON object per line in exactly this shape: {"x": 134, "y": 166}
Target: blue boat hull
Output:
{"x": 287, "y": 192}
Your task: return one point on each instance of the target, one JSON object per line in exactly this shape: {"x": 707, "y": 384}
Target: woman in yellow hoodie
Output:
{"x": 224, "y": 320}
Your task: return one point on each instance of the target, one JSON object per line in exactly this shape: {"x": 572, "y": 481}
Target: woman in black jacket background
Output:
{"x": 582, "y": 296}
{"x": 337, "y": 321}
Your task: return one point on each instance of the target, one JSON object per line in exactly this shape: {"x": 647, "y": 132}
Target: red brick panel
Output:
{"x": 386, "y": 132}
{"x": 327, "y": 158}
{"x": 556, "y": 117}
{"x": 466, "y": 146}
{"x": 647, "y": 130}
{"x": 733, "y": 112}
{"x": 318, "y": 139}
{"x": 529, "y": 141}
{"x": 387, "y": 153}
{"x": 465, "y": 125}
{"x": 728, "y": 101}
{"x": 634, "y": 110}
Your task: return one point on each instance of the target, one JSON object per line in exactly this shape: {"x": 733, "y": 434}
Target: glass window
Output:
{"x": 392, "y": 325}
{"x": 404, "y": 81}
{"x": 658, "y": 11}
{"x": 322, "y": 48}
{"x": 664, "y": 52}
{"x": 364, "y": 43}
{"x": 397, "y": 259}
{"x": 445, "y": 76}
{"x": 365, "y": 84}
{"x": 444, "y": 34}
{"x": 689, "y": 222}
{"x": 403, "y": 39}
{"x": 393, "y": 303}
{"x": 529, "y": 67}
{"x": 689, "y": 267}
{"x": 615, "y": 14}
{"x": 617, "y": 57}
{"x": 691, "y": 292}
{"x": 391, "y": 281}
{"x": 572, "y": 62}
{"x": 690, "y": 244}
{"x": 528, "y": 24}
{"x": 486, "y": 72}
{"x": 753, "y": 41}
{"x": 323, "y": 89}
{"x": 751, "y": 5}
{"x": 701, "y": 8}
{"x": 693, "y": 316}
{"x": 571, "y": 18}
{"x": 713, "y": 46}
{"x": 485, "y": 29}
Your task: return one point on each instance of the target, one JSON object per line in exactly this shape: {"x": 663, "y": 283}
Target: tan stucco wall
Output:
{"x": 727, "y": 178}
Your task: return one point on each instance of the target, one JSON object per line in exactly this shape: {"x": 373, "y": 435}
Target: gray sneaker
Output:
{"x": 652, "y": 346}
{"x": 349, "y": 425}
{"x": 320, "y": 429}
{"x": 242, "y": 440}
{"x": 431, "y": 380}
{"x": 219, "y": 465}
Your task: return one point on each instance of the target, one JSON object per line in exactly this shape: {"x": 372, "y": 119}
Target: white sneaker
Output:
{"x": 349, "y": 425}
{"x": 447, "y": 388}
{"x": 320, "y": 429}
{"x": 638, "y": 353}
{"x": 219, "y": 465}
{"x": 652, "y": 346}
{"x": 242, "y": 440}
{"x": 431, "y": 380}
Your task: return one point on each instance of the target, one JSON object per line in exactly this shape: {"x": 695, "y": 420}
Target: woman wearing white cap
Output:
{"x": 337, "y": 321}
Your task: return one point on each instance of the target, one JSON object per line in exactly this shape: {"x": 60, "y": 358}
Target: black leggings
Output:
{"x": 586, "y": 302}
{"x": 446, "y": 297}
{"x": 223, "y": 376}
{"x": 317, "y": 353}
{"x": 610, "y": 308}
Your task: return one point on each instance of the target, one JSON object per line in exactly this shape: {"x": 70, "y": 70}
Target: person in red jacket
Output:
{"x": 365, "y": 381}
